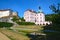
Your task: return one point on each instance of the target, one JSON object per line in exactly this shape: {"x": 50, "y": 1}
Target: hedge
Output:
{"x": 5, "y": 24}
{"x": 25, "y": 23}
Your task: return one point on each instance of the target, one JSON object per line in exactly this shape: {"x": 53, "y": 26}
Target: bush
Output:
{"x": 25, "y": 23}
{"x": 5, "y": 24}
{"x": 15, "y": 19}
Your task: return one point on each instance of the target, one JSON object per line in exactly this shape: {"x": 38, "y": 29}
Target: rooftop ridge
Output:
{"x": 6, "y": 10}
{"x": 31, "y": 10}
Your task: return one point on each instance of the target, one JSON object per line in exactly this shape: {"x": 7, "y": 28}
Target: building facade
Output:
{"x": 37, "y": 17}
{"x": 6, "y": 15}
{"x": 29, "y": 16}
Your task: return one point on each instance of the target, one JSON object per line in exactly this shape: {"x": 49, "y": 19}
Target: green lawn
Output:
{"x": 28, "y": 28}
{"x": 19, "y": 32}
{"x": 3, "y": 37}
{"x": 14, "y": 35}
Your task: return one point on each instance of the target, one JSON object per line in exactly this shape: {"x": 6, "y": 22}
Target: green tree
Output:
{"x": 15, "y": 19}
{"x": 22, "y": 19}
{"x": 48, "y": 17}
{"x": 56, "y": 16}
{"x": 55, "y": 8}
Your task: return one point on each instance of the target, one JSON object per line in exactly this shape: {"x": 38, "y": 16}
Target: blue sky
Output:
{"x": 21, "y": 5}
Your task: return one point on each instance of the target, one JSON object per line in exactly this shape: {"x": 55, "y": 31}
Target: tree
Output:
{"x": 48, "y": 17}
{"x": 55, "y": 8}
{"x": 15, "y": 19}
{"x": 22, "y": 19}
{"x": 56, "y": 16}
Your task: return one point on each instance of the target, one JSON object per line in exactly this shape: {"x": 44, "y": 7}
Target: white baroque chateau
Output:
{"x": 36, "y": 17}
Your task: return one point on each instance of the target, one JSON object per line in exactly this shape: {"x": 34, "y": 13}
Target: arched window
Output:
{"x": 46, "y": 23}
{"x": 43, "y": 24}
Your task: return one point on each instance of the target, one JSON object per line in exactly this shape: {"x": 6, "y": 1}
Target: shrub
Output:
{"x": 5, "y": 24}
{"x": 25, "y": 23}
{"x": 15, "y": 19}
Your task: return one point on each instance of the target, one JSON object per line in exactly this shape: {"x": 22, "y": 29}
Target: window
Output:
{"x": 32, "y": 14}
{"x": 43, "y": 24}
{"x": 40, "y": 20}
{"x": 46, "y": 23}
{"x": 40, "y": 17}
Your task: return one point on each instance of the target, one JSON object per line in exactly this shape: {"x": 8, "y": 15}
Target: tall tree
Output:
{"x": 55, "y": 17}
{"x": 55, "y": 8}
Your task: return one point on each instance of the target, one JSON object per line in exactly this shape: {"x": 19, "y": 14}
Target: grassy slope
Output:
{"x": 13, "y": 35}
{"x": 28, "y": 28}
{"x": 3, "y": 37}
{"x": 20, "y": 35}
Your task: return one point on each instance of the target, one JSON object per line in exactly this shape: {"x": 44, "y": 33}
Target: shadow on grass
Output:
{"x": 52, "y": 32}
{"x": 36, "y": 37}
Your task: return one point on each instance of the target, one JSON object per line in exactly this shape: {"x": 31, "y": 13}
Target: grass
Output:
{"x": 28, "y": 28}
{"x": 3, "y": 37}
{"x": 20, "y": 32}
{"x": 14, "y": 35}
{"x": 53, "y": 35}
